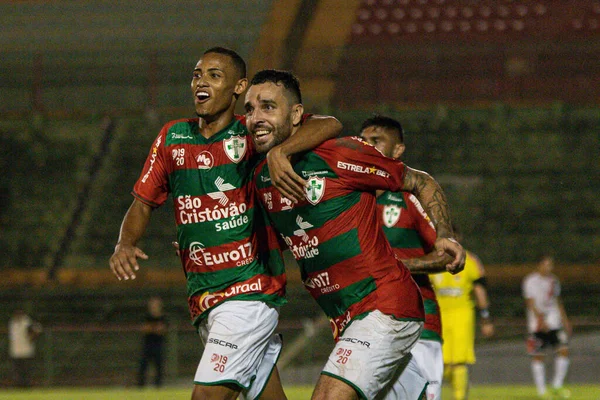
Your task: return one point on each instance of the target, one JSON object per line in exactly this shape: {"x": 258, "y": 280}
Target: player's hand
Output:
{"x": 176, "y": 246}
{"x": 123, "y": 262}
{"x": 453, "y": 248}
{"x": 487, "y": 329}
{"x": 283, "y": 177}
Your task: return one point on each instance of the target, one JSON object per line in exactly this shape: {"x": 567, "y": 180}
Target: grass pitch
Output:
{"x": 501, "y": 392}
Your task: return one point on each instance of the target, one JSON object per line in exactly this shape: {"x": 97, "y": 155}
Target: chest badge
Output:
{"x": 235, "y": 148}
{"x": 315, "y": 190}
{"x": 391, "y": 215}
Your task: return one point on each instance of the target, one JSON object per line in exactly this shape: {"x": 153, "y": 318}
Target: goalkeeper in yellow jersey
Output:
{"x": 457, "y": 296}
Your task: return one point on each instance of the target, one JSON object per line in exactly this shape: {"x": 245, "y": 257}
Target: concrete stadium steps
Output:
{"x": 99, "y": 230}
{"x": 122, "y": 25}
{"x": 49, "y": 165}
{"x": 105, "y": 56}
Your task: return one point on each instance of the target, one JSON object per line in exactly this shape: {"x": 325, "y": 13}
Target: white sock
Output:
{"x": 561, "y": 366}
{"x": 539, "y": 376}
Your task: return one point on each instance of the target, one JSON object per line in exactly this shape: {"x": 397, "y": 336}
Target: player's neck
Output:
{"x": 209, "y": 126}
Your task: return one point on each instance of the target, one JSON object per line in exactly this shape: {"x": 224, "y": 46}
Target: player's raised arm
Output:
{"x": 315, "y": 130}
{"x": 123, "y": 262}
{"x": 432, "y": 197}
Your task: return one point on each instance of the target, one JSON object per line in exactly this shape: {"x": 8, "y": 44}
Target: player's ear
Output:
{"x": 399, "y": 150}
{"x": 297, "y": 112}
{"x": 241, "y": 86}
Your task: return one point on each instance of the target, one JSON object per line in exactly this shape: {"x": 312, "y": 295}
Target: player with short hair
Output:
{"x": 412, "y": 236}
{"x": 548, "y": 326}
{"x": 457, "y": 297}
{"x": 347, "y": 265}
{"x": 235, "y": 276}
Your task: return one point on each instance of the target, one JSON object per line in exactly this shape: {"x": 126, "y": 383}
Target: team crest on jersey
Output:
{"x": 235, "y": 147}
{"x": 315, "y": 190}
{"x": 391, "y": 214}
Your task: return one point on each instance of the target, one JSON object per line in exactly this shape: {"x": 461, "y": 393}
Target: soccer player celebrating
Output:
{"x": 234, "y": 282}
{"x": 548, "y": 326}
{"x": 412, "y": 236}
{"x": 347, "y": 265}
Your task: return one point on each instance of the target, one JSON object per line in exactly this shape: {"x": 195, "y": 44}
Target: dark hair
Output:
{"x": 238, "y": 61}
{"x": 285, "y": 78}
{"x": 384, "y": 122}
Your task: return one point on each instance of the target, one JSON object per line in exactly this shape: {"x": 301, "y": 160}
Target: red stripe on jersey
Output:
{"x": 197, "y": 258}
{"x": 213, "y": 206}
{"x": 258, "y": 284}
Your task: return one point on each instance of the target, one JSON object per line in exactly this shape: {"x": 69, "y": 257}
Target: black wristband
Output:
{"x": 484, "y": 313}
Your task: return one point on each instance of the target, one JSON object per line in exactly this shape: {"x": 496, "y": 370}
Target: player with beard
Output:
{"x": 347, "y": 265}
{"x": 235, "y": 275}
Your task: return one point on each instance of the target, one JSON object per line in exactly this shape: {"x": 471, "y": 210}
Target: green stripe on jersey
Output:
{"x": 314, "y": 165}
{"x": 403, "y": 238}
{"x": 336, "y": 303}
{"x": 430, "y": 307}
{"x": 225, "y": 277}
{"x": 274, "y": 262}
{"x": 315, "y": 215}
{"x": 196, "y": 182}
{"x": 216, "y": 232}
{"x": 333, "y": 251}
{"x": 430, "y": 335}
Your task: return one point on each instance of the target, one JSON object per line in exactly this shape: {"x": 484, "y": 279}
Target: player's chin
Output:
{"x": 262, "y": 146}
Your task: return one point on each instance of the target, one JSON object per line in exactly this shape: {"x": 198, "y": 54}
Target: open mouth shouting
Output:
{"x": 202, "y": 96}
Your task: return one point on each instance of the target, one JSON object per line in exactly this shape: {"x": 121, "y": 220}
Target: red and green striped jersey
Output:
{"x": 346, "y": 262}
{"x": 225, "y": 247}
{"x": 411, "y": 234}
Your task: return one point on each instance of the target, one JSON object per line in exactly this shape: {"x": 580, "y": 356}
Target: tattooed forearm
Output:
{"x": 431, "y": 196}
{"x": 429, "y": 264}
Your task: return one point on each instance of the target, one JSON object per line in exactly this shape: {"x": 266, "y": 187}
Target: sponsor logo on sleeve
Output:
{"x": 152, "y": 158}
{"x": 361, "y": 169}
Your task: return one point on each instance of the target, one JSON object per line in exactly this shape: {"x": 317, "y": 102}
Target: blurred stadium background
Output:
{"x": 500, "y": 101}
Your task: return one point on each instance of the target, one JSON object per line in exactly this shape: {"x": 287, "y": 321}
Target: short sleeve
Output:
{"x": 151, "y": 187}
{"x": 362, "y": 167}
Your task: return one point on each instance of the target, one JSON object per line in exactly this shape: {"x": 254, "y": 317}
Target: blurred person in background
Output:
{"x": 347, "y": 265}
{"x": 412, "y": 236}
{"x": 22, "y": 334}
{"x": 548, "y": 327}
{"x": 458, "y": 296}
{"x": 153, "y": 342}
{"x": 235, "y": 282}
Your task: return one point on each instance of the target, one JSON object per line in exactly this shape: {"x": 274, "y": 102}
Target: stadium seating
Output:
{"x": 461, "y": 51}
{"x": 462, "y": 20}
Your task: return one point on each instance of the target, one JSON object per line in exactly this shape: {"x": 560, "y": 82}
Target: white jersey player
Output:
{"x": 548, "y": 326}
